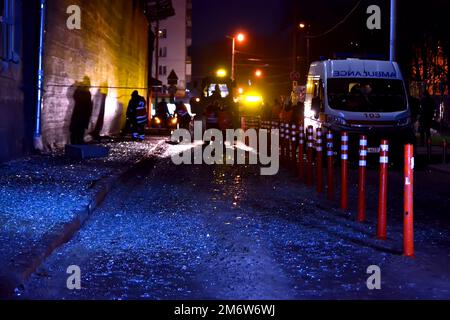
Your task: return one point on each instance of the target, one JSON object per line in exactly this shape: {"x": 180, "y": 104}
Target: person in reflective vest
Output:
{"x": 137, "y": 116}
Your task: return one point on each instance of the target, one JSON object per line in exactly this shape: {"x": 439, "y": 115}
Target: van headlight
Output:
{"x": 337, "y": 120}
{"x": 404, "y": 122}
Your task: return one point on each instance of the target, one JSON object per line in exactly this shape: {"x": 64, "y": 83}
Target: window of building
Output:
{"x": 163, "y": 52}
{"x": 163, "y": 70}
{"x": 8, "y": 38}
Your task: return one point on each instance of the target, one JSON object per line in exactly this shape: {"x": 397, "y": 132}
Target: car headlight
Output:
{"x": 336, "y": 120}
{"x": 404, "y": 122}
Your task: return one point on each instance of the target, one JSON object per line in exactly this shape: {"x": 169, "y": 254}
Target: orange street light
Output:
{"x": 302, "y": 26}
{"x": 258, "y": 73}
{"x": 240, "y": 37}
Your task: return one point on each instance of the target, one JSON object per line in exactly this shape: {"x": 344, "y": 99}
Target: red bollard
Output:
{"x": 309, "y": 156}
{"x": 408, "y": 219}
{"x": 287, "y": 141}
{"x": 362, "y": 179}
{"x": 294, "y": 147}
{"x": 429, "y": 149}
{"x": 444, "y": 155}
{"x": 301, "y": 154}
{"x": 282, "y": 144}
{"x": 344, "y": 171}
{"x": 382, "y": 197}
{"x": 319, "y": 164}
{"x": 330, "y": 171}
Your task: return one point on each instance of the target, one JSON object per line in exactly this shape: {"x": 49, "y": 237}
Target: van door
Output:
{"x": 317, "y": 93}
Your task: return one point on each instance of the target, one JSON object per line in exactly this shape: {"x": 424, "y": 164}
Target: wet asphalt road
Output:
{"x": 225, "y": 232}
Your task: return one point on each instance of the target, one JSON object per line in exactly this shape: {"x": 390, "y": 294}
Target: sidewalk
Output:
{"x": 442, "y": 168}
{"x": 45, "y": 199}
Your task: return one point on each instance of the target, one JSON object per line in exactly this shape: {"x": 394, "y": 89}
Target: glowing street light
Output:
{"x": 302, "y": 26}
{"x": 221, "y": 73}
{"x": 240, "y": 37}
{"x": 258, "y": 73}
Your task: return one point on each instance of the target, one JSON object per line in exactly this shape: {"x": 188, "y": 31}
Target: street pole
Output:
{"x": 393, "y": 32}
{"x": 233, "y": 59}
{"x": 308, "y": 52}
{"x": 37, "y": 140}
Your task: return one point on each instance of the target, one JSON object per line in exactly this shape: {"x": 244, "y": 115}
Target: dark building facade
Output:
{"x": 18, "y": 50}
{"x": 89, "y": 73}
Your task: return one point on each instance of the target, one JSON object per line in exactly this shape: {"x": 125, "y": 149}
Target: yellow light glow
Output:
{"x": 253, "y": 99}
{"x": 221, "y": 73}
{"x": 241, "y": 90}
{"x": 197, "y": 100}
{"x": 158, "y": 121}
{"x": 258, "y": 73}
{"x": 302, "y": 26}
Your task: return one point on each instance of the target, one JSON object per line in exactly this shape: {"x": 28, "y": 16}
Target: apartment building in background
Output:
{"x": 174, "y": 47}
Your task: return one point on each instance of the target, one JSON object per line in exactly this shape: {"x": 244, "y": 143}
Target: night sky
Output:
{"x": 269, "y": 26}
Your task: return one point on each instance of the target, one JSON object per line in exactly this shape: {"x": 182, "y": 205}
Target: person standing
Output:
{"x": 426, "y": 117}
{"x": 137, "y": 116}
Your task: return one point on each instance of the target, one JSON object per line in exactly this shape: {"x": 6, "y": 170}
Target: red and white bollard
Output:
{"x": 294, "y": 135}
{"x": 301, "y": 153}
{"x": 408, "y": 218}
{"x": 287, "y": 143}
{"x": 444, "y": 151}
{"x": 330, "y": 165}
{"x": 344, "y": 171}
{"x": 309, "y": 156}
{"x": 319, "y": 161}
{"x": 282, "y": 143}
{"x": 362, "y": 179}
{"x": 382, "y": 197}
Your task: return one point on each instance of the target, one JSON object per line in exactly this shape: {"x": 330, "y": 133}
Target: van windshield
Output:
{"x": 366, "y": 95}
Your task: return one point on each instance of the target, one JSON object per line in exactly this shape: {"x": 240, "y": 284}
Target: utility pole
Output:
{"x": 294, "y": 36}
{"x": 37, "y": 141}
{"x": 158, "y": 34}
{"x": 393, "y": 32}
{"x": 233, "y": 60}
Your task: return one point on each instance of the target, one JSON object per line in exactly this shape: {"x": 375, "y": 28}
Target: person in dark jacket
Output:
{"x": 137, "y": 116}
{"x": 426, "y": 117}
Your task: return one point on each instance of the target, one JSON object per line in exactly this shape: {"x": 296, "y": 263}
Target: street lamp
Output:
{"x": 258, "y": 73}
{"x": 221, "y": 73}
{"x": 240, "y": 37}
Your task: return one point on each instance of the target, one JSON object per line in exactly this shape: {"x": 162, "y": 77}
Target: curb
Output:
{"x": 440, "y": 169}
{"x": 25, "y": 264}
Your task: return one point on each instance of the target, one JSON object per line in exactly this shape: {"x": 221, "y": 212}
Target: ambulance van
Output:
{"x": 361, "y": 97}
